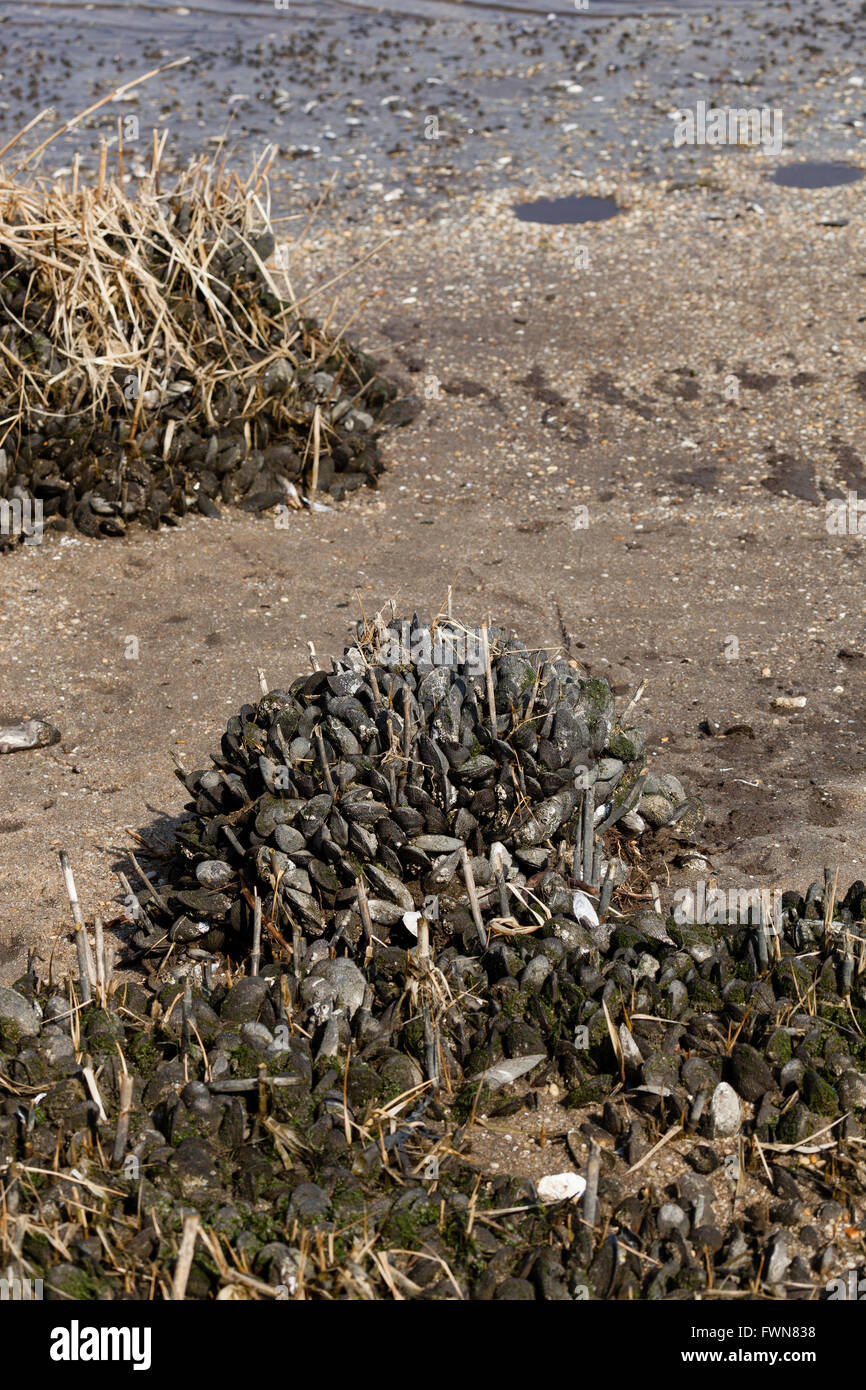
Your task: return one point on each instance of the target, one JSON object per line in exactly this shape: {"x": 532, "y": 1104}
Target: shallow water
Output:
{"x": 136, "y": 14}
{"x": 410, "y": 102}
{"x": 567, "y": 211}
{"x": 812, "y": 174}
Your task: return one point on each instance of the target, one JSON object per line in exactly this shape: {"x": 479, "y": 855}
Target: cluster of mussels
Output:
{"x": 312, "y": 1168}
{"x": 415, "y": 764}
{"x": 429, "y": 878}
{"x": 193, "y": 436}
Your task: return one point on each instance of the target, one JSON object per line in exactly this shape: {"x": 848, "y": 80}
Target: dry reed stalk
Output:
{"x": 122, "y": 1131}
{"x": 131, "y": 289}
{"x": 317, "y": 432}
{"x": 364, "y": 912}
{"x": 469, "y": 880}
{"x": 82, "y": 945}
{"x": 99, "y": 947}
{"x": 184, "y": 1258}
{"x": 257, "y": 934}
{"x": 488, "y": 673}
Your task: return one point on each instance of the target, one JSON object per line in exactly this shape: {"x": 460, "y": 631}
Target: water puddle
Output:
{"x": 570, "y": 210}
{"x": 815, "y": 175}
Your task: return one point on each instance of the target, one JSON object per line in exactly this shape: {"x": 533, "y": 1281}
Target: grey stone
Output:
{"x": 348, "y": 983}
{"x": 214, "y": 873}
{"x": 725, "y": 1113}
{"x": 778, "y": 1260}
{"x": 672, "y": 1218}
{"x": 535, "y": 973}
{"x": 852, "y": 1090}
{"x": 309, "y": 1201}
{"x": 257, "y": 1036}
{"x": 243, "y": 1003}
{"x": 18, "y": 1019}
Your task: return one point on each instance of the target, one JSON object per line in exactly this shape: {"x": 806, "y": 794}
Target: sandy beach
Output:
{"x": 560, "y": 368}
{"x": 641, "y": 439}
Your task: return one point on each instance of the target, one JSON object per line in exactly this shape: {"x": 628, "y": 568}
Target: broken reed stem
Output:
{"x": 606, "y": 891}
{"x": 297, "y": 950}
{"x": 71, "y": 893}
{"x": 184, "y": 1258}
{"x": 588, "y": 833}
{"x": 323, "y": 761}
{"x": 185, "y": 1014}
{"x": 366, "y": 919}
{"x": 590, "y": 1195}
{"x": 831, "y": 884}
{"x": 99, "y": 947}
{"x": 469, "y": 880}
{"x": 407, "y": 723}
{"x": 423, "y": 947}
{"x": 120, "y": 151}
{"x": 103, "y": 164}
{"x": 233, "y": 839}
{"x": 122, "y": 1133}
{"x": 83, "y": 965}
{"x": 90, "y": 1082}
{"x": 82, "y": 945}
{"x": 135, "y": 908}
{"x": 160, "y": 902}
{"x": 236, "y": 1088}
{"x": 631, "y": 704}
{"x": 488, "y": 672}
{"x": 499, "y": 875}
{"x": 431, "y": 1051}
{"x": 577, "y": 855}
{"x": 257, "y": 934}
{"x": 314, "y": 480}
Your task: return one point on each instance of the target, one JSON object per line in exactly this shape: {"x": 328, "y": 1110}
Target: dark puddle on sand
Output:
{"x": 815, "y": 175}
{"x": 570, "y": 210}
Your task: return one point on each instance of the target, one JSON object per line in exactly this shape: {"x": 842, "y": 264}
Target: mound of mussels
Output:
{"x": 389, "y": 769}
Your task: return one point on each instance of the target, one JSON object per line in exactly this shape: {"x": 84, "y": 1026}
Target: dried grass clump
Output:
{"x": 148, "y": 362}
{"x": 158, "y": 287}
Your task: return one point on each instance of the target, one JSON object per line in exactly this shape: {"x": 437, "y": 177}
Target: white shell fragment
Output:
{"x": 583, "y": 910}
{"x": 410, "y": 922}
{"x": 560, "y": 1187}
{"x": 505, "y": 1072}
{"x": 498, "y": 851}
{"x": 725, "y": 1112}
{"x": 33, "y": 733}
{"x": 789, "y": 702}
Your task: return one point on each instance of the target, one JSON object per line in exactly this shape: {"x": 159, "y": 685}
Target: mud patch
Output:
{"x": 791, "y": 478}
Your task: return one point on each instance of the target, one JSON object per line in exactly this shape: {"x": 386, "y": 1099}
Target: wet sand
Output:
{"x": 406, "y": 112}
